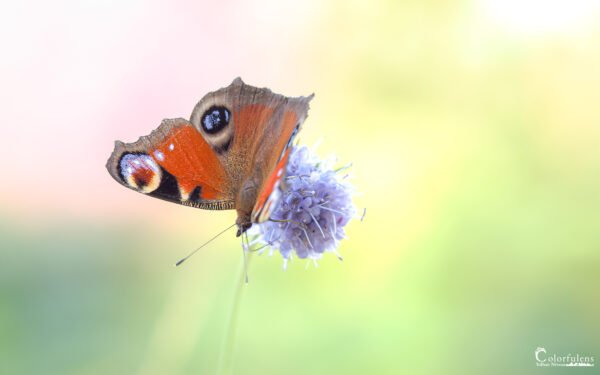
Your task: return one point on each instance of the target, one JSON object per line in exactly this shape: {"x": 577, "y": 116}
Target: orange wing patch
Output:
{"x": 187, "y": 156}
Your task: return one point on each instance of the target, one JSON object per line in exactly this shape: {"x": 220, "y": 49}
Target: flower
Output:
{"x": 314, "y": 208}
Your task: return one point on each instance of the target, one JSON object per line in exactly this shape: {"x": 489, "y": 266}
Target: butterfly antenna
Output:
{"x": 204, "y": 244}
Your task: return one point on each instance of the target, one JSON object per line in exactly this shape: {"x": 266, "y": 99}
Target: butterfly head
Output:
{"x": 242, "y": 227}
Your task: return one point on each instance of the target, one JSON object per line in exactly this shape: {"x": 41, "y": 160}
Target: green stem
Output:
{"x": 226, "y": 358}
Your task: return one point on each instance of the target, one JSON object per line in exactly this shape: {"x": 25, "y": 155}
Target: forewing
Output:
{"x": 173, "y": 163}
{"x": 261, "y": 126}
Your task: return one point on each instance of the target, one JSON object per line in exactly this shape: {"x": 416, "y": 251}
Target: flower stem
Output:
{"x": 226, "y": 358}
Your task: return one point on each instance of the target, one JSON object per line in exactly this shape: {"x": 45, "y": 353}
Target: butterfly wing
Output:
{"x": 229, "y": 155}
{"x": 260, "y": 126}
{"x": 270, "y": 194}
{"x": 173, "y": 163}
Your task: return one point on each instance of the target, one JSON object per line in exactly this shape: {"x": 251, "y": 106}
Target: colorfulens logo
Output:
{"x": 569, "y": 360}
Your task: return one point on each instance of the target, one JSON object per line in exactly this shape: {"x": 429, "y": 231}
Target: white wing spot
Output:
{"x": 159, "y": 155}
{"x": 171, "y": 147}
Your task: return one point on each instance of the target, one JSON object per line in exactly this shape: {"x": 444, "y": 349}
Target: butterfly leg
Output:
{"x": 245, "y": 249}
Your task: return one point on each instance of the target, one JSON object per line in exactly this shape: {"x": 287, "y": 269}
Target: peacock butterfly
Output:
{"x": 231, "y": 154}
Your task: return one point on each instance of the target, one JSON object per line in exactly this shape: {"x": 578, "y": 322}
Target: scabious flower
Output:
{"x": 315, "y": 206}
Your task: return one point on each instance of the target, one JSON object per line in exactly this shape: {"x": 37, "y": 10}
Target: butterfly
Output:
{"x": 231, "y": 154}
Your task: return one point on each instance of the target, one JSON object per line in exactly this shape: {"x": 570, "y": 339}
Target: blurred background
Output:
{"x": 473, "y": 128}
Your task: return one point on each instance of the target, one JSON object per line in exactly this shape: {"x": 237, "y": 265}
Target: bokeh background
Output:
{"x": 474, "y": 131}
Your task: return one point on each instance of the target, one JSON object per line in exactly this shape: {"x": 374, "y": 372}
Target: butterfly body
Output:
{"x": 231, "y": 154}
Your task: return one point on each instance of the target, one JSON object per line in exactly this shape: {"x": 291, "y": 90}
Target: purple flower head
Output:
{"x": 314, "y": 208}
